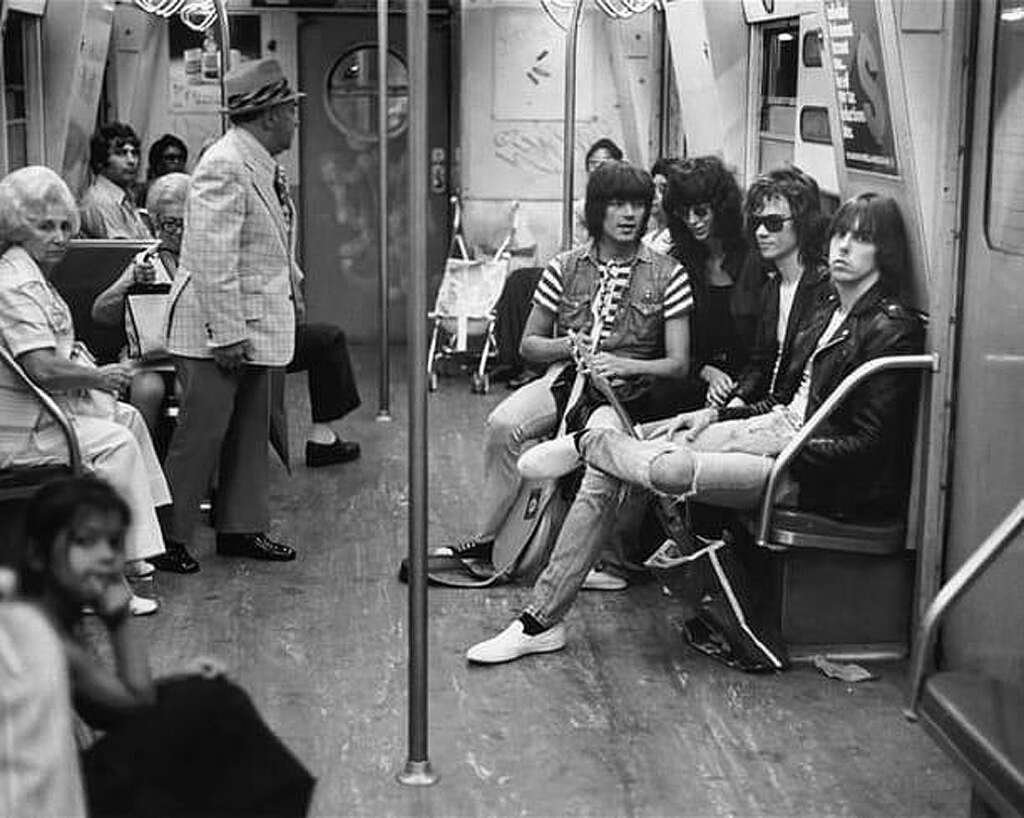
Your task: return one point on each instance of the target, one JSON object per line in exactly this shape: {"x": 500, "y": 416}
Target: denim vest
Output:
{"x": 639, "y": 326}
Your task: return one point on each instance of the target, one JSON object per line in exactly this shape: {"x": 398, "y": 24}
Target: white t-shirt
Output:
{"x": 787, "y": 294}
{"x": 798, "y": 405}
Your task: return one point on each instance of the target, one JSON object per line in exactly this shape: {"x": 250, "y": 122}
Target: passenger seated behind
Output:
{"x": 37, "y": 219}
{"x": 642, "y": 301}
{"x": 108, "y": 204}
{"x": 190, "y": 744}
{"x": 858, "y": 462}
{"x": 168, "y": 154}
{"x": 166, "y": 205}
{"x": 658, "y": 237}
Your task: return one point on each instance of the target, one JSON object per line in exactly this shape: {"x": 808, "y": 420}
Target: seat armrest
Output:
{"x": 52, "y": 409}
{"x": 928, "y": 362}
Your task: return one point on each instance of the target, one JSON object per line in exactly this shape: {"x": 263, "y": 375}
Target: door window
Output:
{"x": 352, "y": 99}
{"x": 1005, "y": 206}
{"x": 777, "y": 131}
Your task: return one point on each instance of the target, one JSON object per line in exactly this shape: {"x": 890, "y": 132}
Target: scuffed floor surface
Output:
{"x": 625, "y": 722}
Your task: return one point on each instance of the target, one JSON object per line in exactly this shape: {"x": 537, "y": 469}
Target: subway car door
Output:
{"x": 338, "y": 160}
{"x": 988, "y": 446}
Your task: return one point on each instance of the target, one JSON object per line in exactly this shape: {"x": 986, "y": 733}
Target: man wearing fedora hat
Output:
{"x": 232, "y": 317}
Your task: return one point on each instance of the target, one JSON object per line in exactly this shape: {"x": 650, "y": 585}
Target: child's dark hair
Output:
{"x": 615, "y": 181}
{"x": 875, "y": 218}
{"x": 53, "y": 508}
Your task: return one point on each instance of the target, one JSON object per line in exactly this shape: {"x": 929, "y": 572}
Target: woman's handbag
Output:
{"x": 145, "y": 311}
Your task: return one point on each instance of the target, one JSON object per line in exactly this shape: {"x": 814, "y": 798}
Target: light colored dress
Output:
{"x": 113, "y": 437}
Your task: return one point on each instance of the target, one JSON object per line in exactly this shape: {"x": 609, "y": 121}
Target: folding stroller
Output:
{"x": 464, "y": 309}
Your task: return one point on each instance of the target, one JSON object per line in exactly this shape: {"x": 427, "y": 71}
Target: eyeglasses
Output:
{"x": 170, "y": 158}
{"x": 696, "y": 211}
{"x": 773, "y": 223}
{"x": 172, "y": 224}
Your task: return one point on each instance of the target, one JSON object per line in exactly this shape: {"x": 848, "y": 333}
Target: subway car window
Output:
{"x": 812, "y": 49}
{"x": 780, "y": 46}
{"x": 15, "y": 97}
{"x": 1006, "y": 172}
{"x": 352, "y": 94}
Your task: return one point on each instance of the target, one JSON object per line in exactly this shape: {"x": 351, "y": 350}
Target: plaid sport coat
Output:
{"x": 238, "y": 277}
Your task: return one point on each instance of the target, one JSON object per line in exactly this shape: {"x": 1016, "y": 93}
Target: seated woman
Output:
{"x": 165, "y": 203}
{"x": 37, "y": 219}
{"x": 187, "y": 745}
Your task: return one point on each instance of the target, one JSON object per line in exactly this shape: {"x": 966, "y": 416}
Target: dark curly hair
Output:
{"x": 107, "y": 137}
{"x": 612, "y": 181}
{"x": 872, "y": 217}
{"x": 156, "y": 152}
{"x": 703, "y": 180}
{"x": 55, "y": 507}
{"x": 800, "y": 190}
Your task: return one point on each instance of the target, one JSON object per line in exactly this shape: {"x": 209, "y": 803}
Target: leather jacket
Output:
{"x": 858, "y": 463}
{"x": 758, "y": 380}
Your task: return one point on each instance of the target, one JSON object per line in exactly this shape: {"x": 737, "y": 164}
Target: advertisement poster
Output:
{"x": 194, "y": 69}
{"x": 861, "y": 92}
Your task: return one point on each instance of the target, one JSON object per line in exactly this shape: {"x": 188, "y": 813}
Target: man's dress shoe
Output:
{"x": 176, "y": 559}
{"x": 325, "y": 454}
{"x": 255, "y": 546}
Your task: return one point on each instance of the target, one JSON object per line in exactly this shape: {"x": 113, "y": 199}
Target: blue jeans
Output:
{"x": 728, "y": 465}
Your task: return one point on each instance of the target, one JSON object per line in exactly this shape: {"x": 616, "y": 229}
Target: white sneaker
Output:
{"x": 142, "y": 606}
{"x": 512, "y": 643}
{"x": 603, "y": 581}
{"x": 552, "y": 458}
{"x": 139, "y": 569}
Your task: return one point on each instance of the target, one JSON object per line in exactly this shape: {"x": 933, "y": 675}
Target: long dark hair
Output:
{"x": 875, "y": 218}
{"x": 703, "y": 180}
{"x": 800, "y": 190}
{"x": 616, "y": 181}
{"x": 51, "y": 510}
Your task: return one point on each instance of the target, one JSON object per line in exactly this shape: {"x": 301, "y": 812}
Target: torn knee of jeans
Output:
{"x": 668, "y": 484}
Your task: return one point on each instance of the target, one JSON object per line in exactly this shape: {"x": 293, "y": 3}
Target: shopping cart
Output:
{"x": 463, "y": 313}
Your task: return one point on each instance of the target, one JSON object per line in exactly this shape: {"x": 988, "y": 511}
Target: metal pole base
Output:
{"x": 417, "y": 774}
{"x": 383, "y": 416}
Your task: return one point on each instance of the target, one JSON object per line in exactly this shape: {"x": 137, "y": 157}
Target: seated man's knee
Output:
{"x": 673, "y": 472}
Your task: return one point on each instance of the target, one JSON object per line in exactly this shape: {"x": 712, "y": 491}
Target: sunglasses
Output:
{"x": 172, "y": 224}
{"x": 697, "y": 211}
{"x": 773, "y": 223}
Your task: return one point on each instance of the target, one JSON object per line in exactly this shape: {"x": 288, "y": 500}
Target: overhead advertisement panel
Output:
{"x": 859, "y": 73}
{"x": 761, "y": 11}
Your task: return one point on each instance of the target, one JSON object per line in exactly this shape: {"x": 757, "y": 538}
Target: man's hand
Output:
{"x": 234, "y": 356}
{"x": 694, "y": 422}
{"x": 720, "y": 385}
{"x": 611, "y": 366}
{"x": 115, "y": 378}
{"x": 143, "y": 272}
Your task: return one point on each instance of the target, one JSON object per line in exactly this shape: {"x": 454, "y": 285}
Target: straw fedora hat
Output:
{"x": 255, "y": 85}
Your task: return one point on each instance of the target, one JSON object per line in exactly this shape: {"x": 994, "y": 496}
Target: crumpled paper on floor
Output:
{"x": 844, "y": 672}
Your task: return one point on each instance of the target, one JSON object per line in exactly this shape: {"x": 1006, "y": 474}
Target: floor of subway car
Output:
{"x": 625, "y": 721}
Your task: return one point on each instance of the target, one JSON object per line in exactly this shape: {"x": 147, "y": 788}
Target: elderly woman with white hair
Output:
{"x": 165, "y": 202}
{"x": 38, "y": 216}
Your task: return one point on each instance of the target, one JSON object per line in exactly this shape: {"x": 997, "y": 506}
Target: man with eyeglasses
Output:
{"x": 107, "y": 207}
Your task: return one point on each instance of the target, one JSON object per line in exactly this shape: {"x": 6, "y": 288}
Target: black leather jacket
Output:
{"x": 858, "y": 463}
{"x": 754, "y": 384}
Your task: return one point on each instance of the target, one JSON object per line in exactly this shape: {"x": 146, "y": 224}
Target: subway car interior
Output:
{"x": 426, "y": 178}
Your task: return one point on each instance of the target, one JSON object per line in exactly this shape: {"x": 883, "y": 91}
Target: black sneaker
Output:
{"x": 467, "y": 550}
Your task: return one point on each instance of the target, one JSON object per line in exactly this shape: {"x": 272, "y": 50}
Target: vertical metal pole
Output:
{"x": 417, "y": 769}
{"x": 569, "y": 124}
{"x": 384, "y": 385}
{"x": 225, "y": 55}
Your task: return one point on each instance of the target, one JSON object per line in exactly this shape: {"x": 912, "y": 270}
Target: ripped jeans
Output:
{"x": 726, "y": 465}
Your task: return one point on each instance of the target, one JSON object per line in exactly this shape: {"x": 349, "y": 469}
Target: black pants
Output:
{"x": 511, "y": 312}
{"x": 322, "y": 352}
{"x": 201, "y": 750}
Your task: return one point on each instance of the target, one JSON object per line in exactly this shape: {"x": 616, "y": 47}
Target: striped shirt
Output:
{"x": 678, "y": 297}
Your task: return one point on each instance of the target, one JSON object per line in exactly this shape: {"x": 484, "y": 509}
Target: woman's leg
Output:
{"x": 147, "y": 395}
